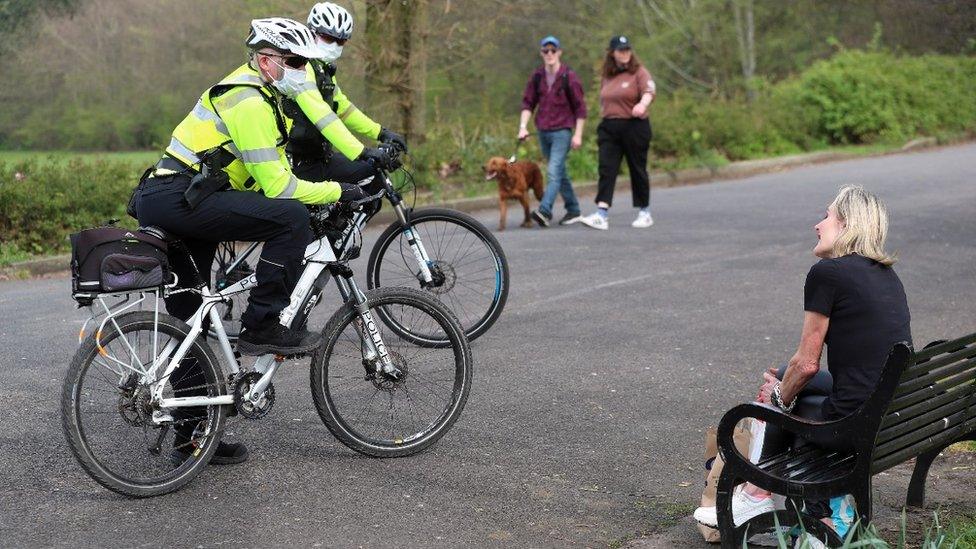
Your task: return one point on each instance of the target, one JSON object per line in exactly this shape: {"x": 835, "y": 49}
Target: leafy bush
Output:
{"x": 868, "y": 96}
{"x": 49, "y": 200}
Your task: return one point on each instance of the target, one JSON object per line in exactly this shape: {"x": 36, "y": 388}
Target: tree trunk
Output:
{"x": 745, "y": 32}
{"x": 396, "y": 64}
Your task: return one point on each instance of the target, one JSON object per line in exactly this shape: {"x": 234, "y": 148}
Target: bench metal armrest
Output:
{"x": 772, "y": 416}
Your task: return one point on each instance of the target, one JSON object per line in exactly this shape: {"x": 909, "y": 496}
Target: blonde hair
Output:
{"x": 865, "y": 219}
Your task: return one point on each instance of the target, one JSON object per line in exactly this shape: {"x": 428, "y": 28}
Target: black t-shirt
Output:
{"x": 868, "y": 314}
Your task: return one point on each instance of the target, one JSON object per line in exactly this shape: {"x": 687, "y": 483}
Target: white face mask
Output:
{"x": 292, "y": 80}
{"x": 330, "y": 52}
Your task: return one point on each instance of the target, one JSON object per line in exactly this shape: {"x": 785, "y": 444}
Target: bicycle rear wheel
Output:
{"x": 378, "y": 416}
{"x": 468, "y": 264}
{"x": 107, "y": 412}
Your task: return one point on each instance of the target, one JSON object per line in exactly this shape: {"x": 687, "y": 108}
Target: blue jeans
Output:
{"x": 555, "y": 147}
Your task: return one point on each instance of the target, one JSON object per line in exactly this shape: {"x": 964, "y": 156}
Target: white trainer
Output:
{"x": 808, "y": 541}
{"x": 743, "y": 509}
{"x": 643, "y": 221}
{"x": 595, "y": 221}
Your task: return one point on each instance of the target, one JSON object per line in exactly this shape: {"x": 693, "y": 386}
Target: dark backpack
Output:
{"x": 113, "y": 259}
{"x": 537, "y": 79}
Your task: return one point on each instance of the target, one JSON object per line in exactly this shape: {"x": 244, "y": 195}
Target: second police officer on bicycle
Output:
{"x": 321, "y": 144}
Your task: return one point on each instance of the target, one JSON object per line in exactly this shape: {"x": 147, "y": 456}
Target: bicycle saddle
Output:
{"x": 159, "y": 233}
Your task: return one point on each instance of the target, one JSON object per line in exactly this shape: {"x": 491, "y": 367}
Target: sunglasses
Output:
{"x": 292, "y": 61}
{"x": 548, "y": 50}
{"x": 332, "y": 39}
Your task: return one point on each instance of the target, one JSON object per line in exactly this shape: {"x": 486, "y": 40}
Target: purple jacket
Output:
{"x": 555, "y": 110}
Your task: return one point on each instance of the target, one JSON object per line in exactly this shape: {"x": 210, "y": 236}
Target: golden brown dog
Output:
{"x": 514, "y": 181}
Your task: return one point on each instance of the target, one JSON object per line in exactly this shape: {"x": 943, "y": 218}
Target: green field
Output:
{"x": 141, "y": 157}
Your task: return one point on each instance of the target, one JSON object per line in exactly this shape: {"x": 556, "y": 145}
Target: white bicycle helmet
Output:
{"x": 331, "y": 19}
{"x": 283, "y": 35}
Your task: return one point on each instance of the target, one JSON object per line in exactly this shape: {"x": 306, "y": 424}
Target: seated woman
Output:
{"x": 855, "y": 304}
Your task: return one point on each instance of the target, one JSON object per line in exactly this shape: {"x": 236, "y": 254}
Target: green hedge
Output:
{"x": 43, "y": 201}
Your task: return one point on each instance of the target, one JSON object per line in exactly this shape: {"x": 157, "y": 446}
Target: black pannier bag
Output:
{"x": 113, "y": 259}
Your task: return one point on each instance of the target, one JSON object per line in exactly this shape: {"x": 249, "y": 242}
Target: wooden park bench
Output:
{"x": 925, "y": 402}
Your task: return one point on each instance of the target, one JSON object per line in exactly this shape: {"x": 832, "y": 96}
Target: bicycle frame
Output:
{"x": 320, "y": 263}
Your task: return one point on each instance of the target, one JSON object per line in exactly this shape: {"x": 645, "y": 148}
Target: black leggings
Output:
{"x": 808, "y": 406}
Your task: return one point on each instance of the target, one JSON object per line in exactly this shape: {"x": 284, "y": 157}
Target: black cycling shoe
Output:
{"x": 278, "y": 340}
{"x": 227, "y": 453}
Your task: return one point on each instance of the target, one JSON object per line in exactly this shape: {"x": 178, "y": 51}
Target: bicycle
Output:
{"x": 446, "y": 253}
{"x": 143, "y": 420}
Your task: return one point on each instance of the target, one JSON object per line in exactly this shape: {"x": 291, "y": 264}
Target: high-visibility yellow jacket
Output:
{"x": 335, "y": 125}
{"x": 242, "y": 115}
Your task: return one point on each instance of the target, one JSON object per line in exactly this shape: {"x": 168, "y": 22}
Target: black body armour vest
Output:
{"x": 305, "y": 141}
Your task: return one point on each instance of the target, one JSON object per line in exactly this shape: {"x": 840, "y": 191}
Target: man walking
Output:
{"x": 555, "y": 94}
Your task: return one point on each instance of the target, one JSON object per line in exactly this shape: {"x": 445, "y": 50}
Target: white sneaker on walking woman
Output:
{"x": 643, "y": 221}
{"x": 595, "y": 221}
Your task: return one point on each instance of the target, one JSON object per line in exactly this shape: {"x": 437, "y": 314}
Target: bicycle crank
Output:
{"x": 252, "y": 408}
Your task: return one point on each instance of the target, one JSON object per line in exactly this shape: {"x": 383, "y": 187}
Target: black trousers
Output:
{"x": 808, "y": 406}
{"x": 628, "y": 138}
{"x": 282, "y": 225}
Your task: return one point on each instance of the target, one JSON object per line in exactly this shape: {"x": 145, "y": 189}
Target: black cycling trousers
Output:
{"x": 808, "y": 406}
{"x": 283, "y": 226}
{"x": 619, "y": 138}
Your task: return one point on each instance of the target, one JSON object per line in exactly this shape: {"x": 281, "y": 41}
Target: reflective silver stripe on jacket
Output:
{"x": 290, "y": 189}
{"x": 349, "y": 111}
{"x": 326, "y": 120}
{"x": 232, "y": 101}
{"x": 204, "y": 114}
{"x": 255, "y": 156}
{"x": 183, "y": 151}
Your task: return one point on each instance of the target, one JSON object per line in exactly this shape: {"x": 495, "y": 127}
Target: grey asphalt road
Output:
{"x": 591, "y": 394}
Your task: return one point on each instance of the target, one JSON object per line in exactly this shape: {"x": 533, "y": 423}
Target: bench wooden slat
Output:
{"x": 912, "y": 438}
{"x": 798, "y": 458}
{"x": 931, "y": 391}
{"x": 926, "y": 354}
{"x": 949, "y": 405}
{"x": 826, "y": 460}
{"x": 936, "y": 373}
{"x": 775, "y": 461}
{"x": 841, "y": 466}
{"x": 894, "y": 418}
{"x": 942, "y": 439}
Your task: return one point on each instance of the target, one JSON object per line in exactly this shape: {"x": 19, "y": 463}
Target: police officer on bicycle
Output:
{"x": 225, "y": 177}
{"x": 321, "y": 143}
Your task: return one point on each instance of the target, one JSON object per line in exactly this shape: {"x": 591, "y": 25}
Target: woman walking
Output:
{"x": 626, "y": 92}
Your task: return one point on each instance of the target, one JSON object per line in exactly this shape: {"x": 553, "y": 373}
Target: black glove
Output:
{"x": 387, "y": 136}
{"x": 351, "y": 192}
{"x": 378, "y": 157}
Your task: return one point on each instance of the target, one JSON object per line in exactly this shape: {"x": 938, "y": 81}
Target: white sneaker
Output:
{"x": 743, "y": 509}
{"x": 808, "y": 541}
{"x": 596, "y": 221}
{"x": 643, "y": 221}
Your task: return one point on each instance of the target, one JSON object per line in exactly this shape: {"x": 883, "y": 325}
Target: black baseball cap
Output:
{"x": 619, "y": 43}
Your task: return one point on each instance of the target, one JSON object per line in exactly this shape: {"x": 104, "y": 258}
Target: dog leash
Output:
{"x": 514, "y": 157}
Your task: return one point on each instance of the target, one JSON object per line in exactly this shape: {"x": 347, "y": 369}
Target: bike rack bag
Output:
{"x": 113, "y": 259}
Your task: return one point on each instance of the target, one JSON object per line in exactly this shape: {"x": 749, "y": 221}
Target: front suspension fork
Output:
{"x": 416, "y": 246}
{"x": 374, "y": 350}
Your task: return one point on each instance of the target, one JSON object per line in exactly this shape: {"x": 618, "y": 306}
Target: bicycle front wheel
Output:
{"x": 468, "y": 265}
{"x": 115, "y": 430}
{"x": 383, "y": 417}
